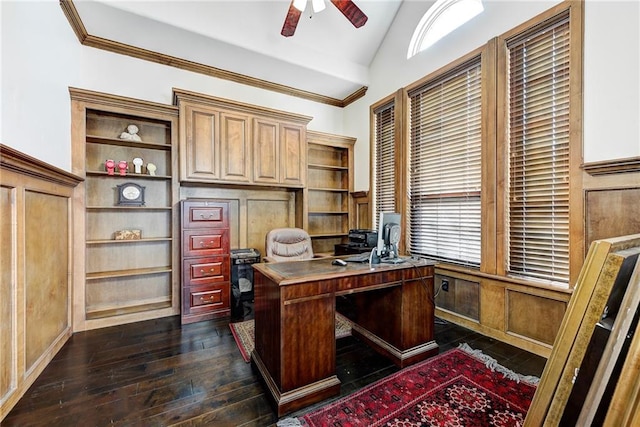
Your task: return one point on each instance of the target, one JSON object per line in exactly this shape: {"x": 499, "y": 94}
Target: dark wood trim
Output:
{"x": 606, "y": 167}
{"x": 14, "y": 160}
{"x": 106, "y": 99}
{"x": 89, "y": 40}
{"x": 228, "y": 104}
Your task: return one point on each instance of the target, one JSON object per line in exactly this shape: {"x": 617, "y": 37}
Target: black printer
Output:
{"x": 363, "y": 238}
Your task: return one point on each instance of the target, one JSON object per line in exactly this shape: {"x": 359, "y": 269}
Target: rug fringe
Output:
{"x": 493, "y": 364}
{"x": 289, "y": 422}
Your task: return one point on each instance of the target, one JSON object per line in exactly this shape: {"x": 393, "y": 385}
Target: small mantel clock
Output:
{"x": 130, "y": 194}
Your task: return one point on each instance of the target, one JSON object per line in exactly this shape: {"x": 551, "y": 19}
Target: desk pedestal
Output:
{"x": 295, "y": 347}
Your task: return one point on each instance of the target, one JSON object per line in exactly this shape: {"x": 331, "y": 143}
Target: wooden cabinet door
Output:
{"x": 266, "y": 151}
{"x": 202, "y": 144}
{"x": 293, "y": 163}
{"x": 235, "y": 147}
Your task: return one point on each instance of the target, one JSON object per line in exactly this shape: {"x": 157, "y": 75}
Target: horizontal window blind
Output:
{"x": 445, "y": 166}
{"x": 385, "y": 157}
{"x": 538, "y": 213}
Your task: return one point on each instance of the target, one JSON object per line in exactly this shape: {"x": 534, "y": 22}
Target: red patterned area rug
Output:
{"x": 244, "y": 334}
{"x": 459, "y": 388}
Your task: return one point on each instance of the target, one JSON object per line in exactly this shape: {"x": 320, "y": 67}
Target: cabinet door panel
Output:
{"x": 202, "y": 144}
{"x": 266, "y": 151}
{"x": 235, "y": 148}
{"x": 292, "y": 154}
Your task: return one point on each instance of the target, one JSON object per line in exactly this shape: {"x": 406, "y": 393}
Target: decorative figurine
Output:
{"x": 110, "y": 166}
{"x": 131, "y": 133}
{"x": 151, "y": 168}
{"x": 128, "y": 235}
{"x": 137, "y": 165}
{"x": 122, "y": 167}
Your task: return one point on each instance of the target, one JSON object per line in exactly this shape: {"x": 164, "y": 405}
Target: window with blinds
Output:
{"x": 445, "y": 166}
{"x": 538, "y": 211}
{"x": 385, "y": 158}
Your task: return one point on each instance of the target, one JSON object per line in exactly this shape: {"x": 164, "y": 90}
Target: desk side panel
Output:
{"x": 267, "y": 324}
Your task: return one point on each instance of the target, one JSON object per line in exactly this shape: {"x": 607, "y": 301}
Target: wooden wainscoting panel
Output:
{"x": 444, "y": 299}
{"x": 363, "y": 212}
{"x": 492, "y": 305}
{"x": 264, "y": 215}
{"x": 7, "y": 302}
{"x": 35, "y": 269}
{"x": 467, "y": 296}
{"x": 611, "y": 213}
{"x": 463, "y": 296}
{"x": 524, "y": 316}
{"x": 47, "y": 280}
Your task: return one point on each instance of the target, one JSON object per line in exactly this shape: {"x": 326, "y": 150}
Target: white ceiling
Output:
{"x": 326, "y": 55}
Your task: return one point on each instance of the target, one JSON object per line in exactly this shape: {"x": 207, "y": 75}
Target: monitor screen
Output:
{"x": 388, "y": 234}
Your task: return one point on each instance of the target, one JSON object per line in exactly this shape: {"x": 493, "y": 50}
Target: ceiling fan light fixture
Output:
{"x": 300, "y": 4}
{"x": 318, "y": 5}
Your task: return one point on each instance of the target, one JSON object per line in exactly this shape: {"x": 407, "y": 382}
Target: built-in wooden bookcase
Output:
{"x": 131, "y": 251}
{"x": 329, "y": 187}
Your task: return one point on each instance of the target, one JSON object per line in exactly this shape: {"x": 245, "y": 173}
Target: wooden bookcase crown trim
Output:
{"x": 132, "y": 104}
{"x": 228, "y": 104}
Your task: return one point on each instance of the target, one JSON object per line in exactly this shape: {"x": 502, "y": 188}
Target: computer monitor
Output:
{"x": 388, "y": 235}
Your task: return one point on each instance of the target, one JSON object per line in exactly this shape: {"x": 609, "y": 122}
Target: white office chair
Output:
{"x": 287, "y": 244}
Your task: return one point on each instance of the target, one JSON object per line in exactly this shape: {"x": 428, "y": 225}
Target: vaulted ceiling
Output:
{"x": 327, "y": 59}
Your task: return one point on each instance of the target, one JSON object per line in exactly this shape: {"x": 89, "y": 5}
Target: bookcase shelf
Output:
{"x": 329, "y": 185}
{"x": 125, "y": 280}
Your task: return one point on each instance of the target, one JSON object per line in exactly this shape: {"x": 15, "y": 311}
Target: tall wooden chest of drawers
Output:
{"x": 205, "y": 259}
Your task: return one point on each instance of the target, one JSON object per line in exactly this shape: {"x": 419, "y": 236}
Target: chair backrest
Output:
{"x": 288, "y": 244}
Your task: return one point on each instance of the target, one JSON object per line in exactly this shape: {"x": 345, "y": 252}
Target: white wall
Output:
{"x": 611, "y": 80}
{"x": 609, "y": 132}
{"x": 42, "y": 58}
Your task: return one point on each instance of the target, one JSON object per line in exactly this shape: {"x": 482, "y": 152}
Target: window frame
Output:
{"x": 444, "y": 74}
{"x": 494, "y": 249}
{"x": 576, "y": 200}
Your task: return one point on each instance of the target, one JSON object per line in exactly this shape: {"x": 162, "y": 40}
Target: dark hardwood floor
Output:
{"x": 158, "y": 373}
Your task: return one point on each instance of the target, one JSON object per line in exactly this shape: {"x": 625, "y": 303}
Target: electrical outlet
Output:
{"x": 445, "y": 285}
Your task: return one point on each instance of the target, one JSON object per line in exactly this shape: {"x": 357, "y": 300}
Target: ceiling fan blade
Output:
{"x": 351, "y": 12}
{"x": 291, "y": 21}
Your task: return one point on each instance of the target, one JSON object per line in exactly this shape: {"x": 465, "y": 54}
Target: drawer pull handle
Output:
{"x": 208, "y": 216}
{"x": 207, "y": 244}
{"x": 210, "y": 271}
{"x": 203, "y": 299}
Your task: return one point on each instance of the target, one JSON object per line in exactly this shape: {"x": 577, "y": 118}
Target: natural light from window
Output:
{"x": 441, "y": 19}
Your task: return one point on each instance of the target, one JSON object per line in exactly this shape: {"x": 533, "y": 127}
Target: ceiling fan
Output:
{"x": 347, "y": 7}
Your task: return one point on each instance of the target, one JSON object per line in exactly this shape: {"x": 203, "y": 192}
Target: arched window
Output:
{"x": 442, "y": 18}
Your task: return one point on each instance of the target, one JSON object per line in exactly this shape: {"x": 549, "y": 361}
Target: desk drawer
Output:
{"x": 205, "y": 242}
{"x": 210, "y": 269}
{"x": 205, "y": 214}
{"x": 205, "y": 298}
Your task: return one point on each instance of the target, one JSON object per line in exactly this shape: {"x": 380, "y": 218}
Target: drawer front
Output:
{"x": 205, "y": 214}
{"x": 210, "y": 269}
{"x": 206, "y": 298}
{"x": 205, "y": 242}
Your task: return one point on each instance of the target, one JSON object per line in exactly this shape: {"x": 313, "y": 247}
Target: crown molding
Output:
{"x": 89, "y": 40}
{"x": 630, "y": 164}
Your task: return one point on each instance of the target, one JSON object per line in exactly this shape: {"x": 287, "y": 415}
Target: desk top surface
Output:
{"x": 321, "y": 268}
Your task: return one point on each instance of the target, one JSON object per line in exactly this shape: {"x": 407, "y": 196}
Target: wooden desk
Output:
{"x": 295, "y": 304}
